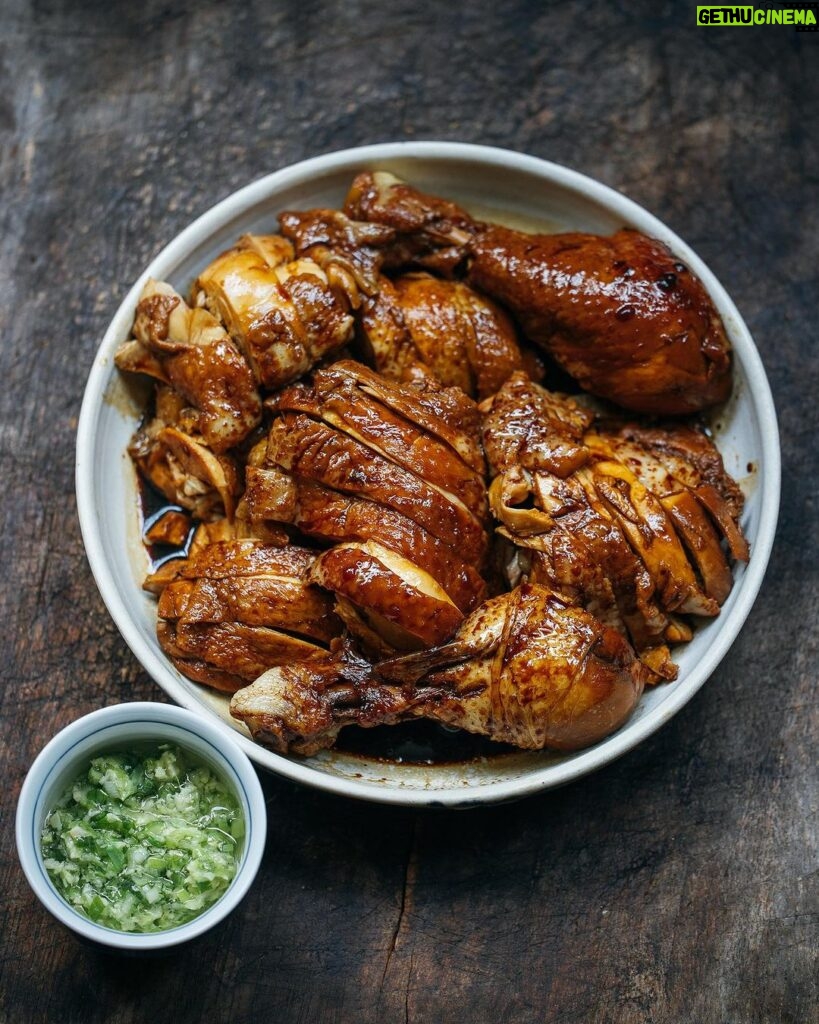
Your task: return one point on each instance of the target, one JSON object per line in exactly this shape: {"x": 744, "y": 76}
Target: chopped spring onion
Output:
{"x": 144, "y": 841}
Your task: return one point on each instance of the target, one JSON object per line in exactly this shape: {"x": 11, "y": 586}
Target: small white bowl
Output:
{"x": 512, "y": 188}
{"x": 120, "y": 726}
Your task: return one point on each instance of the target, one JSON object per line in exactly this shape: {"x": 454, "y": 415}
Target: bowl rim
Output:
{"x": 51, "y": 761}
{"x": 549, "y": 775}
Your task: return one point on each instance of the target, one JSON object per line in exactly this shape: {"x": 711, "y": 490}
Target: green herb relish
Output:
{"x": 144, "y": 841}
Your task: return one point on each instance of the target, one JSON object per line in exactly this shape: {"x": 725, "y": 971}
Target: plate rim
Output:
{"x": 548, "y": 776}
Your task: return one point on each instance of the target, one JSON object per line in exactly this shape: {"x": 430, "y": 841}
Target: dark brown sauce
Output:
{"x": 153, "y": 505}
{"x": 420, "y": 743}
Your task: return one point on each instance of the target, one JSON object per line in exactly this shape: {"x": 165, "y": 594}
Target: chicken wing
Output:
{"x": 190, "y": 350}
{"x": 301, "y": 708}
{"x": 529, "y": 669}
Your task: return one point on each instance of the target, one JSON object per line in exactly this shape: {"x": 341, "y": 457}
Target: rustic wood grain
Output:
{"x": 678, "y": 885}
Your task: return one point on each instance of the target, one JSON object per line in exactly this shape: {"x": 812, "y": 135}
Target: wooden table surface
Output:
{"x": 676, "y": 885}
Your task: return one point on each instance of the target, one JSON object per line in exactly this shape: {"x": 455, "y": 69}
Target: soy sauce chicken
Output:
{"x": 621, "y": 314}
{"x": 189, "y": 350}
{"x": 458, "y": 335}
{"x": 388, "y": 472}
{"x": 178, "y": 462}
{"x": 463, "y": 338}
{"x": 280, "y": 311}
{"x": 372, "y": 546}
{"x": 234, "y": 608}
{"x": 608, "y": 519}
{"x": 525, "y": 668}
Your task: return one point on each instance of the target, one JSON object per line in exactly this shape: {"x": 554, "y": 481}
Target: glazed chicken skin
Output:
{"x": 428, "y": 231}
{"x": 338, "y": 398}
{"x": 525, "y": 668}
{"x": 234, "y": 608}
{"x": 351, "y": 253}
{"x": 528, "y": 668}
{"x": 461, "y": 337}
{"x": 690, "y": 460}
{"x": 621, "y": 314}
{"x": 280, "y": 311}
{"x": 609, "y": 520}
{"x": 189, "y": 350}
{"x": 387, "y": 473}
{"x": 301, "y": 708}
{"x": 316, "y": 451}
{"x": 403, "y": 604}
{"x": 331, "y": 517}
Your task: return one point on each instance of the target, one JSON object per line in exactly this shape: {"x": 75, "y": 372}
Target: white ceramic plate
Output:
{"x": 523, "y": 192}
